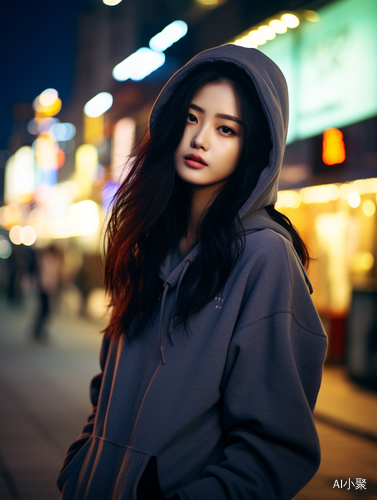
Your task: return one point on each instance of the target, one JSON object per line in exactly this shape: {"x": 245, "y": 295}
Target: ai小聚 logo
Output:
{"x": 359, "y": 484}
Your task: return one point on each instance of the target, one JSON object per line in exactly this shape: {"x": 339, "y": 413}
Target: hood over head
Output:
{"x": 272, "y": 90}
{"x": 271, "y": 87}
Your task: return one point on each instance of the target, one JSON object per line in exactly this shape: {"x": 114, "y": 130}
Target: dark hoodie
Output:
{"x": 225, "y": 413}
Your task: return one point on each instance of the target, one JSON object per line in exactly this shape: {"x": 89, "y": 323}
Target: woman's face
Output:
{"x": 212, "y": 141}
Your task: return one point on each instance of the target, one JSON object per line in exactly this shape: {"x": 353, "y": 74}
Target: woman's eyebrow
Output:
{"x": 218, "y": 115}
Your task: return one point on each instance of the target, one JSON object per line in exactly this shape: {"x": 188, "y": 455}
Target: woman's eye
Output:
{"x": 191, "y": 117}
{"x": 227, "y": 130}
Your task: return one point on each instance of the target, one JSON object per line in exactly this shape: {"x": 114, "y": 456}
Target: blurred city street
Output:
{"x": 44, "y": 403}
{"x": 81, "y": 80}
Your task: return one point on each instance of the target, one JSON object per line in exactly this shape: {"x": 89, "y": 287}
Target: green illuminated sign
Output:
{"x": 330, "y": 67}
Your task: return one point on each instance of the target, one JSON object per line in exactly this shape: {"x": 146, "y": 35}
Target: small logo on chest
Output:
{"x": 219, "y": 302}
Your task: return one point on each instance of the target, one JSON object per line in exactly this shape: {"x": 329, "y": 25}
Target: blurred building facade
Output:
{"x": 71, "y": 167}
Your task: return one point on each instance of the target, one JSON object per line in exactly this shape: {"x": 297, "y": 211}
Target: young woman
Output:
{"x": 212, "y": 359}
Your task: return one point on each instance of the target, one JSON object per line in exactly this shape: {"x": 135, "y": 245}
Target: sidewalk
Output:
{"x": 346, "y": 405}
{"x": 44, "y": 391}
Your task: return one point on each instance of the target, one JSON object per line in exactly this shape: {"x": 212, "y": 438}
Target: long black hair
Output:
{"x": 151, "y": 208}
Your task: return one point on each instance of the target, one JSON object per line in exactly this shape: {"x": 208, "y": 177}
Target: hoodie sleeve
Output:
{"x": 270, "y": 385}
{"x": 95, "y": 387}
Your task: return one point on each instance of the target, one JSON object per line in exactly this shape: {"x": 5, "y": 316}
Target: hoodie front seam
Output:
{"x": 135, "y": 430}
{"x": 274, "y": 314}
{"x": 105, "y": 440}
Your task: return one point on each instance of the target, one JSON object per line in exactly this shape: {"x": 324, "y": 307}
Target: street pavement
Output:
{"x": 44, "y": 391}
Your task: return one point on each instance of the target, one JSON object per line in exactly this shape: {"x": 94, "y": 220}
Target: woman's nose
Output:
{"x": 202, "y": 139}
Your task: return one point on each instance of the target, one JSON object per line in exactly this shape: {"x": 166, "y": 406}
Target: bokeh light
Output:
{"x": 362, "y": 262}
{"x": 278, "y": 26}
{"x": 169, "y": 35}
{"x": 208, "y": 4}
{"x": 354, "y": 199}
{"x": 20, "y": 180}
{"x": 84, "y": 218}
{"x": 63, "y": 131}
{"x": 5, "y": 248}
{"x": 10, "y": 215}
{"x": 17, "y": 235}
{"x": 98, "y": 105}
{"x": 267, "y": 32}
{"x": 369, "y": 208}
{"x": 30, "y": 236}
{"x": 47, "y": 104}
{"x": 46, "y": 151}
{"x": 290, "y": 20}
{"x": 87, "y": 160}
{"x": 97, "y": 303}
{"x": 138, "y": 65}
{"x": 48, "y": 97}
{"x": 257, "y": 37}
{"x": 311, "y": 16}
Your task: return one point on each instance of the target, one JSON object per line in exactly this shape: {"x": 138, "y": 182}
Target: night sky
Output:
{"x": 37, "y": 40}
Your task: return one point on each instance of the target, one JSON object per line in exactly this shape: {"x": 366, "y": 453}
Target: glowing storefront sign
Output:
{"x": 330, "y": 67}
{"x": 123, "y": 140}
{"x": 20, "y": 176}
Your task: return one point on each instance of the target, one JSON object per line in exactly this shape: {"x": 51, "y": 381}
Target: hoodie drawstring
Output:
{"x": 160, "y": 327}
{"x": 185, "y": 267}
{"x": 165, "y": 292}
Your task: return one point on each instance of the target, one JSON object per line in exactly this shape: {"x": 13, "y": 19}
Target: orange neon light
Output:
{"x": 333, "y": 147}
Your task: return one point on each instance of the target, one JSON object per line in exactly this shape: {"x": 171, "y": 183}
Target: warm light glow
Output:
{"x": 349, "y": 191}
{"x": 311, "y": 16}
{"x": 289, "y": 199}
{"x": 46, "y": 152}
{"x": 94, "y": 129}
{"x": 47, "y": 104}
{"x": 48, "y": 97}
{"x": 111, "y": 3}
{"x": 96, "y": 305}
{"x": 169, "y": 35}
{"x": 333, "y": 232}
{"x": 138, "y": 65}
{"x": 5, "y": 248}
{"x": 30, "y": 236}
{"x": 361, "y": 186}
{"x": 369, "y": 208}
{"x": 267, "y": 32}
{"x": 354, "y": 199}
{"x": 278, "y": 26}
{"x": 17, "y": 235}
{"x": 86, "y": 169}
{"x": 208, "y": 4}
{"x": 256, "y": 37}
{"x": 87, "y": 160}
{"x": 98, "y": 105}
{"x": 333, "y": 147}
{"x": 290, "y": 20}
{"x": 123, "y": 140}
{"x": 246, "y": 42}
{"x": 9, "y": 215}
{"x": 84, "y": 218}
{"x": 362, "y": 262}
{"x": 20, "y": 176}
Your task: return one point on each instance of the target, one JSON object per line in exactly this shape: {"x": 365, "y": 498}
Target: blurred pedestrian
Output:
{"x": 48, "y": 268}
{"x": 212, "y": 359}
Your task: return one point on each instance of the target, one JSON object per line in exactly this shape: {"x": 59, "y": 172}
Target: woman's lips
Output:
{"x": 195, "y": 161}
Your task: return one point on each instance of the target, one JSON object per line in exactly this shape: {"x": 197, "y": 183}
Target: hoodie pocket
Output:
{"x": 102, "y": 470}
